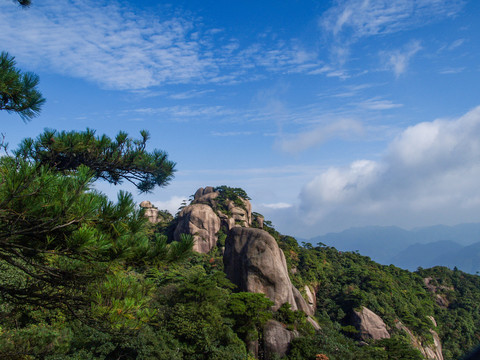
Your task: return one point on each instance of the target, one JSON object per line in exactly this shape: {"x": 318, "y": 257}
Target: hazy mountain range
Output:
{"x": 451, "y": 246}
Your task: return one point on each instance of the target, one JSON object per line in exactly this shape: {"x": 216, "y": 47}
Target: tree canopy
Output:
{"x": 115, "y": 160}
{"x": 18, "y": 91}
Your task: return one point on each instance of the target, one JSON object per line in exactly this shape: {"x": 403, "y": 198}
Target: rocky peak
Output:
{"x": 151, "y": 212}
{"x": 213, "y": 209}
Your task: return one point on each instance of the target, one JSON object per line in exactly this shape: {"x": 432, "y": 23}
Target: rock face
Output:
{"x": 432, "y": 351}
{"x": 254, "y": 262}
{"x": 151, "y": 212}
{"x": 201, "y": 221}
{"x": 276, "y": 339}
{"x": 204, "y": 217}
{"x": 311, "y": 298}
{"x": 369, "y": 325}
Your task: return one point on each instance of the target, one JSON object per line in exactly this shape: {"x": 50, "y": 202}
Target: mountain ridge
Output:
{"x": 397, "y": 246}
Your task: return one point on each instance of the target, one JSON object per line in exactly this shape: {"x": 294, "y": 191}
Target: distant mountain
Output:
{"x": 378, "y": 242}
{"x": 429, "y": 246}
{"x": 425, "y": 255}
{"x": 466, "y": 259}
{"x": 463, "y": 234}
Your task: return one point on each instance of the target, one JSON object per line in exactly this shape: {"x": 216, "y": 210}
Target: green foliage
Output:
{"x": 330, "y": 342}
{"x": 459, "y": 323}
{"x": 250, "y": 312}
{"x": 82, "y": 277}
{"x": 112, "y": 160}
{"x": 227, "y": 194}
{"x": 18, "y": 92}
{"x": 192, "y": 307}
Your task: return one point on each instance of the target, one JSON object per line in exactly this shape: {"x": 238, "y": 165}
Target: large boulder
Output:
{"x": 369, "y": 325}
{"x": 201, "y": 221}
{"x": 276, "y": 339}
{"x": 254, "y": 262}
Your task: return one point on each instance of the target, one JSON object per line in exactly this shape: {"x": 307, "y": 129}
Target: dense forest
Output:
{"x": 83, "y": 277}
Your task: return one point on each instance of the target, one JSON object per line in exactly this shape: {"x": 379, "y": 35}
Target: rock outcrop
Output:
{"x": 254, "y": 262}
{"x": 440, "y": 297}
{"x": 206, "y": 214}
{"x": 430, "y": 351}
{"x": 276, "y": 339}
{"x": 151, "y": 212}
{"x": 310, "y": 297}
{"x": 252, "y": 258}
{"x": 201, "y": 221}
{"x": 369, "y": 325}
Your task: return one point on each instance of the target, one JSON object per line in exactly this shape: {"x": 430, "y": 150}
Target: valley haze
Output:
{"x": 331, "y": 115}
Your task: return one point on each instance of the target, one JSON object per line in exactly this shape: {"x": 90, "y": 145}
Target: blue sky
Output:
{"x": 330, "y": 114}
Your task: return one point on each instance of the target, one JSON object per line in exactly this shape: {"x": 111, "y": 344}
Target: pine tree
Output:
{"x": 112, "y": 160}
{"x": 18, "y": 92}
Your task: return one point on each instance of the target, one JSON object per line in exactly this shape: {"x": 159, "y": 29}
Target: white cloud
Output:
{"x": 106, "y": 43}
{"x": 452, "y": 71}
{"x": 193, "y": 111}
{"x": 171, "y": 205}
{"x": 189, "y": 94}
{"x": 360, "y": 18}
{"x": 398, "y": 60}
{"x": 276, "y": 206}
{"x": 124, "y": 48}
{"x": 457, "y": 43}
{"x": 232, "y": 133}
{"x": 379, "y": 104}
{"x": 429, "y": 174}
{"x": 302, "y": 141}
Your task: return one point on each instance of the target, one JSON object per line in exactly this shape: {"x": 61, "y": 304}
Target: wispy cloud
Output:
{"x": 452, "y": 71}
{"x": 186, "y": 112}
{"x": 399, "y": 60}
{"x": 379, "y": 104}
{"x": 106, "y": 43}
{"x": 123, "y": 48}
{"x": 457, "y": 43}
{"x": 189, "y": 94}
{"x": 295, "y": 143}
{"x": 232, "y": 133}
{"x": 275, "y": 206}
{"x": 360, "y": 18}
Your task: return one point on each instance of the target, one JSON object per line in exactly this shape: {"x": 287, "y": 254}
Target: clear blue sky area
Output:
{"x": 330, "y": 114}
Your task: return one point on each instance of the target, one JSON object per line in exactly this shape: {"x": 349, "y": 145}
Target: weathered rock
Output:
{"x": 301, "y": 302}
{"x": 440, "y": 298}
{"x": 259, "y": 219}
{"x": 254, "y": 262}
{"x": 313, "y": 322}
{"x": 151, "y": 212}
{"x": 205, "y": 196}
{"x": 431, "y": 351}
{"x": 310, "y": 297}
{"x": 201, "y": 221}
{"x": 238, "y": 215}
{"x": 276, "y": 339}
{"x": 369, "y": 325}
